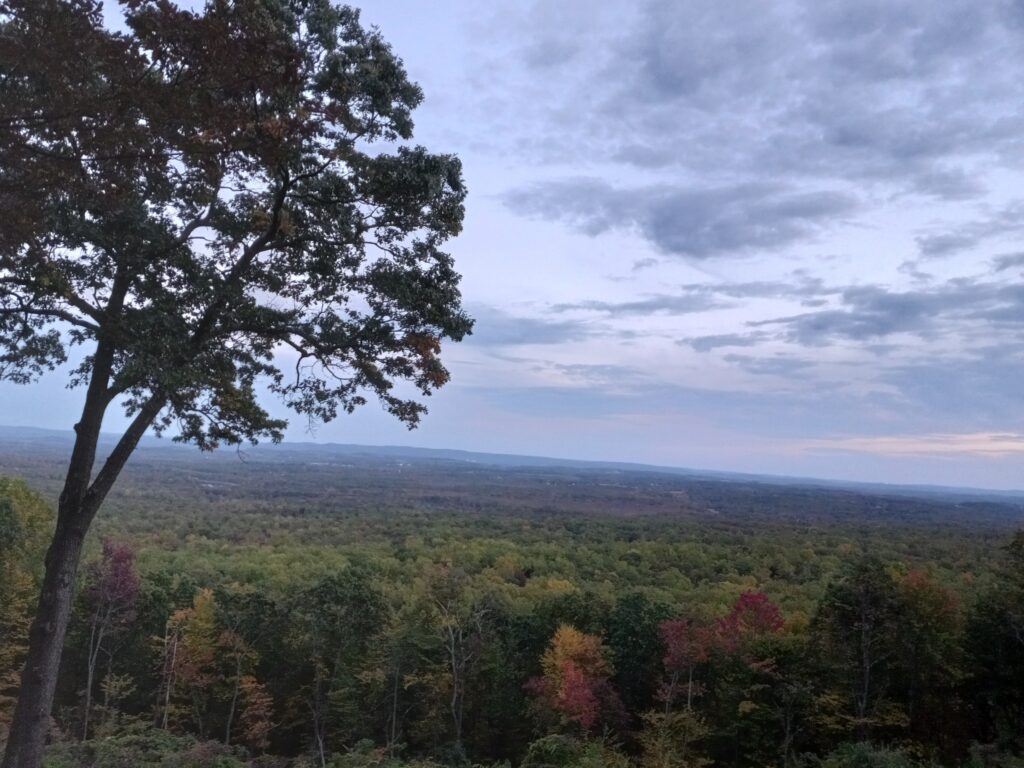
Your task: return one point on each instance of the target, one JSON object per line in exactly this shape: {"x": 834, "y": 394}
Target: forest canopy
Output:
{"x": 229, "y": 623}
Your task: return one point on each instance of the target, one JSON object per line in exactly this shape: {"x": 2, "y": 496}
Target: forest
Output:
{"x": 305, "y": 609}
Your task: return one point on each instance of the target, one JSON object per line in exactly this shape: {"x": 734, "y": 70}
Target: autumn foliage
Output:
{"x": 575, "y": 682}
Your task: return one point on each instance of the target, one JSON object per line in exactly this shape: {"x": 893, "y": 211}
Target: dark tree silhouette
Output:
{"x": 194, "y": 202}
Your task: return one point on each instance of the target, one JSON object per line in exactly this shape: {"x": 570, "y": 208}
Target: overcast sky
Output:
{"x": 781, "y": 237}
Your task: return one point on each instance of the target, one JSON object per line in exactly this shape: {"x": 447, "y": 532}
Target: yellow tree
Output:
{"x": 190, "y": 648}
{"x": 575, "y": 683}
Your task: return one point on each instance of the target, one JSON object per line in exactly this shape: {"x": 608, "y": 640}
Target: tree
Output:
{"x": 393, "y": 655}
{"x": 333, "y": 623}
{"x": 753, "y": 615}
{"x": 189, "y": 663}
{"x": 742, "y": 676}
{"x": 669, "y": 740}
{"x": 576, "y": 680}
{"x": 190, "y": 201}
{"x": 927, "y": 663}
{"x": 995, "y": 652}
{"x": 111, "y": 596}
{"x": 856, "y": 624}
{"x": 632, "y": 637}
{"x": 459, "y": 620}
{"x": 25, "y": 524}
{"x": 256, "y": 713}
{"x": 687, "y": 644}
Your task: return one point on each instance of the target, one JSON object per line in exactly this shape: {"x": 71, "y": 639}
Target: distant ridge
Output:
{"x": 28, "y": 437}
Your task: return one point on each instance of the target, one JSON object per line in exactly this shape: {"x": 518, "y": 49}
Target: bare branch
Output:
{"x": 55, "y": 313}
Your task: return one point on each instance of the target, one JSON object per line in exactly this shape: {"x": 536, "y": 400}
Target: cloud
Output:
{"x": 684, "y": 304}
{"x": 700, "y": 222}
{"x": 988, "y": 444}
{"x": 948, "y": 184}
{"x": 787, "y": 367}
{"x": 977, "y": 386}
{"x": 495, "y": 327}
{"x": 708, "y": 343}
{"x": 1009, "y": 220}
{"x": 693, "y": 298}
{"x": 918, "y": 96}
{"x": 597, "y": 374}
{"x": 913, "y": 270}
{"x": 900, "y": 92}
{"x": 801, "y": 287}
{"x": 1008, "y": 261}
{"x": 873, "y": 312}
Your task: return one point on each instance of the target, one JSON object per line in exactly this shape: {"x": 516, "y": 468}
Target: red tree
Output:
{"x": 111, "y": 595}
{"x": 576, "y": 682}
{"x": 687, "y": 644}
{"x": 577, "y": 699}
{"x": 753, "y": 615}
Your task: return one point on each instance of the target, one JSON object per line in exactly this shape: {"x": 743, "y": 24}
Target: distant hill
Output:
{"x": 34, "y": 440}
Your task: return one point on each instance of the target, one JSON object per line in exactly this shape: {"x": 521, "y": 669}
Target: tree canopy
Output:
{"x": 202, "y": 201}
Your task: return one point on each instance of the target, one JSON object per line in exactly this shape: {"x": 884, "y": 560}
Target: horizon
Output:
{"x": 562, "y": 461}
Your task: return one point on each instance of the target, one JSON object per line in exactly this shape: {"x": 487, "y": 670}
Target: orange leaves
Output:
{"x": 575, "y": 682}
{"x": 255, "y": 718}
{"x": 570, "y": 646}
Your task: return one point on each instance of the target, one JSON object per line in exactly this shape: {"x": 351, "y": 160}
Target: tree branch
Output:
{"x": 57, "y": 313}
{"x": 251, "y": 251}
{"x": 119, "y": 456}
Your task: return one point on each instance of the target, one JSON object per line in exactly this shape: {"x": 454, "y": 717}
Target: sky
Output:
{"x": 780, "y": 237}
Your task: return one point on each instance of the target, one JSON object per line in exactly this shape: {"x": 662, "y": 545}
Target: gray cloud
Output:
{"x": 702, "y": 297}
{"x": 598, "y": 374}
{"x": 982, "y": 389}
{"x": 683, "y": 221}
{"x": 1008, "y": 261}
{"x": 1008, "y": 220}
{"x": 802, "y": 287}
{"x": 684, "y": 304}
{"x": 913, "y": 270}
{"x": 873, "y": 312}
{"x": 708, "y": 343}
{"x": 495, "y": 327}
{"x": 948, "y": 184}
{"x": 917, "y": 96}
{"x": 787, "y": 367}
{"x": 893, "y": 91}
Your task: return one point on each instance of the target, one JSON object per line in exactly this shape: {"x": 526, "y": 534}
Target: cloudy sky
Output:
{"x": 781, "y": 237}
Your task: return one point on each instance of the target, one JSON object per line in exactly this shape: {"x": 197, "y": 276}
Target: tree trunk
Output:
{"x": 106, "y": 688}
{"x": 78, "y": 503}
{"x": 168, "y": 672}
{"x": 670, "y": 694}
{"x": 95, "y": 643}
{"x": 393, "y": 726}
{"x": 234, "y": 700}
{"x": 27, "y": 737}
{"x": 31, "y": 722}
{"x": 689, "y": 690}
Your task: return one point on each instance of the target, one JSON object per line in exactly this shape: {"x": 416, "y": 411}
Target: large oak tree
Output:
{"x": 208, "y": 204}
